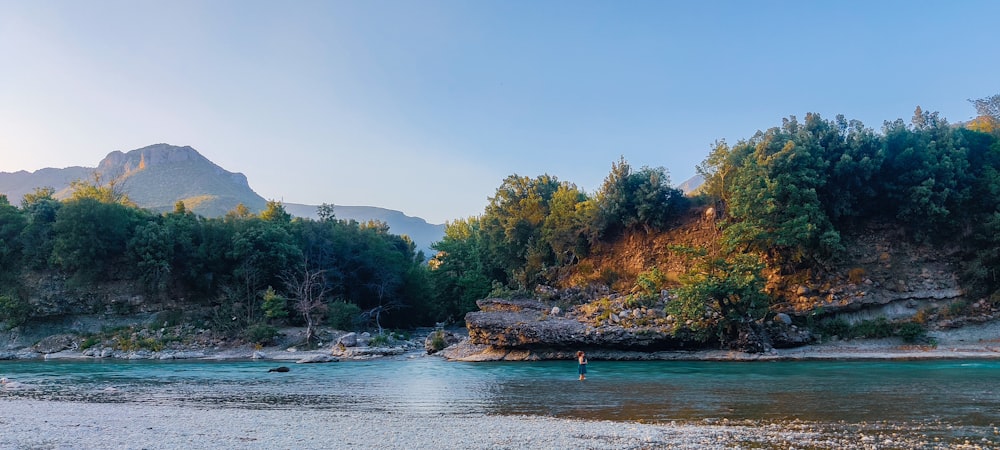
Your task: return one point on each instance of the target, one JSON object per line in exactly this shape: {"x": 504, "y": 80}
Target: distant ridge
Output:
{"x": 156, "y": 177}
{"x": 691, "y": 185}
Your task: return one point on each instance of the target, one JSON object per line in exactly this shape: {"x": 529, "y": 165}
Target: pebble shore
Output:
{"x": 71, "y": 425}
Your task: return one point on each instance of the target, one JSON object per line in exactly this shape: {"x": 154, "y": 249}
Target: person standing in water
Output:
{"x": 581, "y": 357}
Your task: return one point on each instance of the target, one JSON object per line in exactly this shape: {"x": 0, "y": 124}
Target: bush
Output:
{"x": 342, "y": 315}
{"x": 957, "y": 308}
{"x": 836, "y": 327}
{"x": 911, "y": 332}
{"x": 878, "y": 328}
{"x": 437, "y": 341}
{"x": 261, "y": 333}
{"x": 14, "y": 311}
{"x": 379, "y": 340}
{"x": 90, "y": 341}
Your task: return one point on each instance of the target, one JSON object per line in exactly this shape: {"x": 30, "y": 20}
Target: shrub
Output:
{"x": 261, "y": 333}
{"x": 957, "y": 308}
{"x": 343, "y": 315}
{"x": 911, "y": 332}
{"x": 379, "y": 340}
{"x": 14, "y": 311}
{"x": 878, "y": 328}
{"x": 836, "y": 327}
{"x": 437, "y": 341}
{"x": 90, "y": 341}
{"x": 401, "y": 335}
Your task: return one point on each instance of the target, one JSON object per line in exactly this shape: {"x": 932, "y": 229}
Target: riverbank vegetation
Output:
{"x": 780, "y": 204}
{"x": 777, "y": 207}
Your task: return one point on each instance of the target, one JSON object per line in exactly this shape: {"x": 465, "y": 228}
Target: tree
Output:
{"x": 37, "y": 241}
{"x": 151, "y": 248}
{"x": 722, "y": 298}
{"x": 512, "y": 227}
{"x": 563, "y": 229}
{"x": 325, "y": 212}
{"x": 98, "y": 189}
{"x": 275, "y": 212}
{"x": 632, "y": 200}
{"x": 308, "y": 290}
{"x": 239, "y": 212}
{"x": 12, "y": 223}
{"x": 988, "y": 106}
{"x": 458, "y": 272}
{"x": 90, "y": 236}
{"x": 773, "y": 194}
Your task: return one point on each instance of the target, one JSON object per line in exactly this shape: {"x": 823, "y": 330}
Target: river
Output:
{"x": 959, "y": 393}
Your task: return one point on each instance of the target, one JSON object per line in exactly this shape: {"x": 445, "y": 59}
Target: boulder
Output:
{"x": 55, "y": 343}
{"x": 348, "y": 340}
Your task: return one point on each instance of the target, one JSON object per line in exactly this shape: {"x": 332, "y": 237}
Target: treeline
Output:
{"x": 253, "y": 271}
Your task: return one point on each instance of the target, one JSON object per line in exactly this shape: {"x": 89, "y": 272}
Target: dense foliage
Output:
{"x": 789, "y": 192}
{"x": 243, "y": 270}
{"x": 534, "y": 228}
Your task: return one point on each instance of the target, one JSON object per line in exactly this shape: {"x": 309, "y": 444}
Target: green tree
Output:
{"x": 633, "y": 200}
{"x": 458, "y": 273}
{"x": 100, "y": 188}
{"x": 151, "y": 248}
{"x": 722, "y": 298}
{"x": 37, "y": 241}
{"x": 91, "y": 236}
{"x": 274, "y": 211}
{"x": 12, "y": 223}
{"x": 512, "y": 225}
{"x": 773, "y": 197}
{"x": 563, "y": 228}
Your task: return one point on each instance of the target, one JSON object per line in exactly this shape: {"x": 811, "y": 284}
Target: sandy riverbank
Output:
{"x": 69, "y": 425}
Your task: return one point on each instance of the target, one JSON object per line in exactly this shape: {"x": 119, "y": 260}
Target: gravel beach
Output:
{"x": 32, "y": 424}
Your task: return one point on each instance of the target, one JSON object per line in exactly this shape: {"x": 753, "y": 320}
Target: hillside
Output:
{"x": 882, "y": 275}
{"x": 156, "y": 177}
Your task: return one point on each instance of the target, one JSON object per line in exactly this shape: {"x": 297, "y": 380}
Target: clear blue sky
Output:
{"x": 425, "y": 106}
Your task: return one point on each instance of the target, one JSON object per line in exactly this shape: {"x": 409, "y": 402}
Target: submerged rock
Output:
{"x": 317, "y": 359}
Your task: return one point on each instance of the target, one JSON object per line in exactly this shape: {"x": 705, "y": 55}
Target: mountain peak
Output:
{"x": 118, "y": 163}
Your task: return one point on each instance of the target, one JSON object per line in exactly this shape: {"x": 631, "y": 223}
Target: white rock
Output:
{"x": 348, "y": 340}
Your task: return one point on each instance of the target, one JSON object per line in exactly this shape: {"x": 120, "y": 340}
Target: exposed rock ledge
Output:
{"x": 527, "y": 324}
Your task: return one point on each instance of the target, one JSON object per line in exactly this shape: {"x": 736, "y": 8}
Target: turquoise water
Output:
{"x": 962, "y": 393}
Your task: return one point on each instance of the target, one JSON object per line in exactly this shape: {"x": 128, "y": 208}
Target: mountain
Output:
{"x": 691, "y": 185}
{"x": 423, "y": 234}
{"x": 158, "y": 176}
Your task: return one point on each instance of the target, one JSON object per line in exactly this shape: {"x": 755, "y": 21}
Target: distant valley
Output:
{"x": 158, "y": 176}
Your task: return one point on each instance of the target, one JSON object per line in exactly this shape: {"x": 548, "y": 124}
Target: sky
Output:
{"x": 426, "y": 106}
